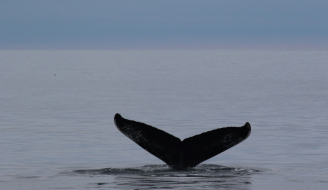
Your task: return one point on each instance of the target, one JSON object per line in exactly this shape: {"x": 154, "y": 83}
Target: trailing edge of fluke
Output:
{"x": 181, "y": 154}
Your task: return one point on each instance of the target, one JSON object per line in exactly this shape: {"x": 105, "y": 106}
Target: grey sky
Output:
{"x": 120, "y": 24}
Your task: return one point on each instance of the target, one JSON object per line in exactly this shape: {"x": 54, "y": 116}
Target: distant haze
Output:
{"x": 147, "y": 24}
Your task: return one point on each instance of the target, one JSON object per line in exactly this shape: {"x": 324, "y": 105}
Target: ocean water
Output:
{"x": 57, "y": 108}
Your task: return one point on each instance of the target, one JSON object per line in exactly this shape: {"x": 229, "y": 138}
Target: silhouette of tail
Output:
{"x": 181, "y": 154}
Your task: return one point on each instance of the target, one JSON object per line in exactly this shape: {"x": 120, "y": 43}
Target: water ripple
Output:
{"x": 205, "y": 176}
{"x": 204, "y": 170}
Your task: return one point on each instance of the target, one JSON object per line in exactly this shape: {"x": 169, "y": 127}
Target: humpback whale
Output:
{"x": 179, "y": 154}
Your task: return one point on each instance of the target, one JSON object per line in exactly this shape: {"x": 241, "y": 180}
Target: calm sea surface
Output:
{"x": 57, "y": 109}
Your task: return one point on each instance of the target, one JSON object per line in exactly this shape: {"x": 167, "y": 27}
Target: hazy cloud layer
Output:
{"x": 152, "y": 23}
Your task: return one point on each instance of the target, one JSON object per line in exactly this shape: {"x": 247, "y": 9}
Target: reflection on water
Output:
{"x": 162, "y": 177}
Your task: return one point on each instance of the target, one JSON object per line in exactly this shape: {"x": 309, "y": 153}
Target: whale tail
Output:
{"x": 181, "y": 154}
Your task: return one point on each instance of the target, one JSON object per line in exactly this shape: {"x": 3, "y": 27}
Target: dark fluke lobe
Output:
{"x": 181, "y": 154}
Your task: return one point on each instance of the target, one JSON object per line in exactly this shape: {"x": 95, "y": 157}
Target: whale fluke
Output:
{"x": 181, "y": 154}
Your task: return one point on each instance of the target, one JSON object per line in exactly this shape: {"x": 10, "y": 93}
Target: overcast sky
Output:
{"x": 140, "y": 24}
